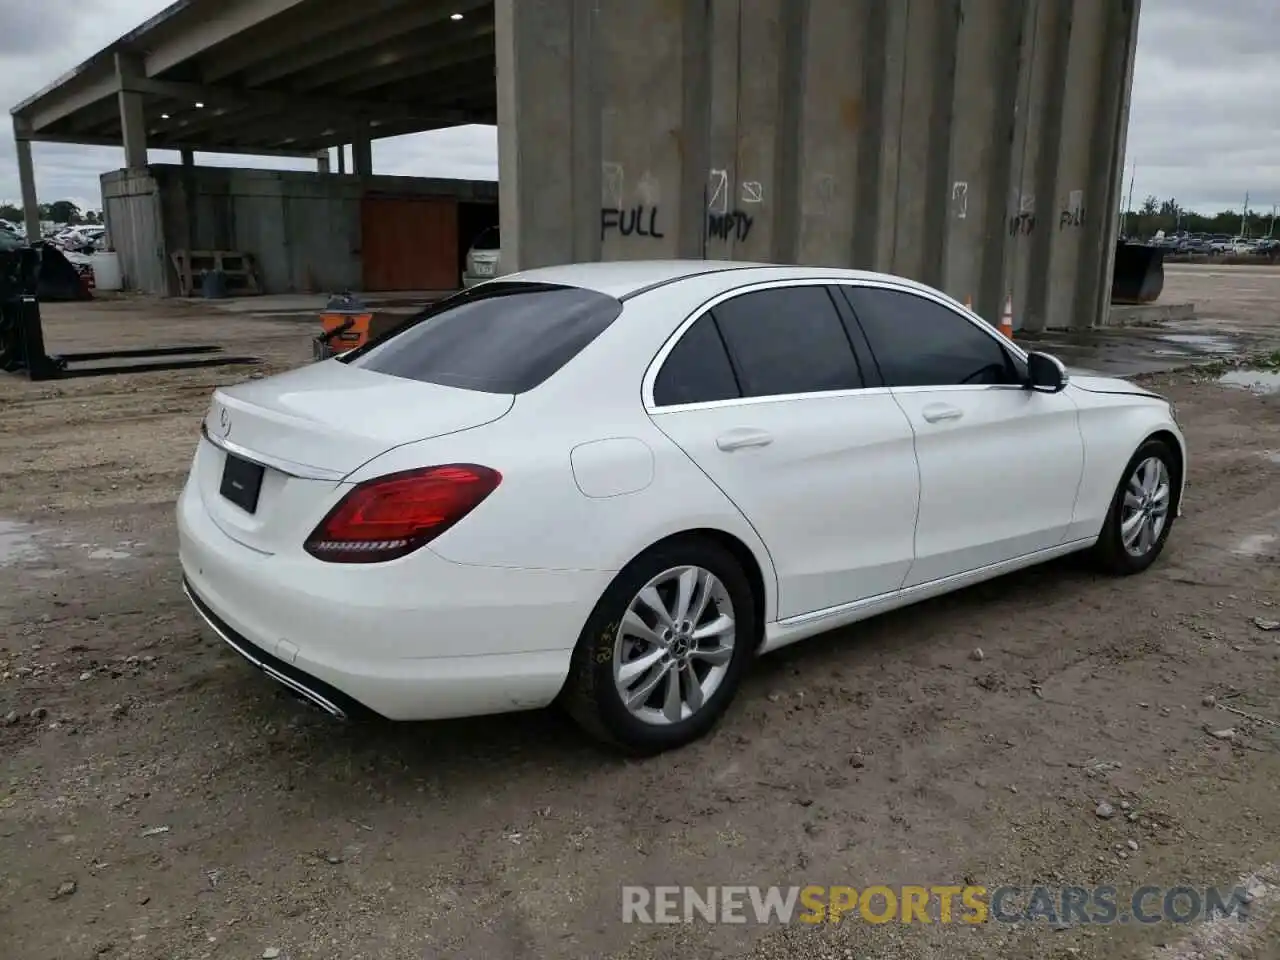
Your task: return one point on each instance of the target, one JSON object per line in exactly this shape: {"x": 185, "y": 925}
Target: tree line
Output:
{"x": 1155, "y": 214}
{"x": 60, "y": 211}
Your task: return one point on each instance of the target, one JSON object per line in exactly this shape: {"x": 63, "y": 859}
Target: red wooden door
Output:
{"x": 409, "y": 243}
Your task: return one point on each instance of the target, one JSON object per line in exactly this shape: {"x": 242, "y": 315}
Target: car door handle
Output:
{"x": 937, "y": 412}
{"x": 737, "y": 439}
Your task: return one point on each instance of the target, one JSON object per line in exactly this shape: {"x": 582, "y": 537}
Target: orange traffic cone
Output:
{"x": 1006, "y": 317}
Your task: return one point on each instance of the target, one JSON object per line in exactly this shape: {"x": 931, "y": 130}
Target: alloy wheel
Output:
{"x": 674, "y": 645}
{"x": 1145, "y": 509}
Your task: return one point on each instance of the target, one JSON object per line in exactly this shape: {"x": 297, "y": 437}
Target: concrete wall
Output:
{"x": 975, "y": 145}
{"x": 303, "y": 228}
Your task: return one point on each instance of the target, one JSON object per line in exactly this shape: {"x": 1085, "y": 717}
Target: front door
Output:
{"x": 1000, "y": 465}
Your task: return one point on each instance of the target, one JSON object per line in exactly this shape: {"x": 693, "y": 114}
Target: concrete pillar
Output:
{"x": 133, "y": 120}
{"x": 322, "y": 161}
{"x": 188, "y": 158}
{"x": 27, "y": 181}
{"x": 362, "y": 156}
{"x": 970, "y": 146}
{"x": 342, "y": 158}
{"x": 550, "y": 194}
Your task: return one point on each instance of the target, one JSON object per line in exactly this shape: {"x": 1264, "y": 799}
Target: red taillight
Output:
{"x": 390, "y": 516}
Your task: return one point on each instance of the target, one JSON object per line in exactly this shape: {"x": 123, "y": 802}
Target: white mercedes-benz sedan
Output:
{"x": 612, "y": 485}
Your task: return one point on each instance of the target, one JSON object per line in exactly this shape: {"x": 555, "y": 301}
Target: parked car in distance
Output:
{"x": 613, "y": 485}
{"x": 483, "y": 259}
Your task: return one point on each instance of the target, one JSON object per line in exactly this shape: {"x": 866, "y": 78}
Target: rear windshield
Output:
{"x": 504, "y": 337}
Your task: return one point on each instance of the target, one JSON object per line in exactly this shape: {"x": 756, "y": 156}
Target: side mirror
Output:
{"x": 1046, "y": 373}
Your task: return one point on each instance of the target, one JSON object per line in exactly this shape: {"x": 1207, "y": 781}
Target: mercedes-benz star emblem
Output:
{"x": 224, "y": 419}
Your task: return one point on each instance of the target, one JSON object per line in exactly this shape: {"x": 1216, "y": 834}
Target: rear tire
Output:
{"x": 1142, "y": 512}
{"x": 665, "y": 648}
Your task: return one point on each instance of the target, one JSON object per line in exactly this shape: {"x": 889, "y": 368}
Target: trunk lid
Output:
{"x": 324, "y": 420}
{"x": 308, "y": 429}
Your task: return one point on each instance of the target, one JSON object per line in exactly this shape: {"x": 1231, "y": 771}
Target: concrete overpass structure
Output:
{"x": 973, "y": 144}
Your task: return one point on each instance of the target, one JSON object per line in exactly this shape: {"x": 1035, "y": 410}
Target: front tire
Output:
{"x": 1142, "y": 511}
{"x": 665, "y": 648}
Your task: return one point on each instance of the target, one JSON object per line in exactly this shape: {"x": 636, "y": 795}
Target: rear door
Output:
{"x": 1000, "y": 465}
{"x": 767, "y": 395}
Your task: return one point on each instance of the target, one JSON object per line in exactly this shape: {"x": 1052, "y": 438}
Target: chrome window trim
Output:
{"x": 655, "y": 365}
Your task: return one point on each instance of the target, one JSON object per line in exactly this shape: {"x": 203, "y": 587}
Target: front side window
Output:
{"x": 498, "y": 338}
{"x": 918, "y": 342}
{"x": 787, "y": 340}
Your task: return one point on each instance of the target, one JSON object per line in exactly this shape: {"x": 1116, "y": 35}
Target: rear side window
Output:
{"x": 697, "y": 370}
{"x": 787, "y": 340}
{"x": 498, "y": 338}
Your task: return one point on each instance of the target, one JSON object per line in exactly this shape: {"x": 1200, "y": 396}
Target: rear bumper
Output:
{"x": 327, "y": 698}
{"x": 418, "y": 639}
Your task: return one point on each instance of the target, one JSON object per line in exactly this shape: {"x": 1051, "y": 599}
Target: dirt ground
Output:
{"x": 159, "y": 799}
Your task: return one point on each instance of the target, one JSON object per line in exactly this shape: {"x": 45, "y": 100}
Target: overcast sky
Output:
{"x": 1201, "y": 129}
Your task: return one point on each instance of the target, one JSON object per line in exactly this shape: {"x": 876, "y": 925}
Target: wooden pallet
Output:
{"x": 239, "y": 270}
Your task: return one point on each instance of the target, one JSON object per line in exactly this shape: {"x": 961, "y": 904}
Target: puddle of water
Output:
{"x": 104, "y": 553}
{"x": 1254, "y": 545}
{"x": 17, "y": 543}
{"x": 1258, "y": 381}
{"x": 1200, "y": 341}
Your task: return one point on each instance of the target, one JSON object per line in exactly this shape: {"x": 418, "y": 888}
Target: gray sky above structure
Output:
{"x": 1203, "y": 127}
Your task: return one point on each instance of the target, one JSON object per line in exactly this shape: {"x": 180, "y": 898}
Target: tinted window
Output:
{"x": 488, "y": 240}
{"x": 918, "y": 342}
{"x": 499, "y": 338}
{"x": 787, "y": 340}
{"x": 697, "y": 370}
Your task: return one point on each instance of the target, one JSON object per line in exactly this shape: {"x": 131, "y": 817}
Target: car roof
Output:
{"x": 626, "y": 278}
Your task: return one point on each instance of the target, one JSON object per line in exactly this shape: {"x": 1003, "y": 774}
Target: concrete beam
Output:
{"x": 380, "y": 132}
{"x": 326, "y": 128}
{"x": 279, "y": 100}
{"x": 373, "y": 32}
{"x": 27, "y": 179}
{"x": 202, "y": 146}
{"x": 469, "y": 87}
{"x": 406, "y": 58}
{"x": 234, "y": 18}
{"x": 291, "y": 36}
{"x": 409, "y": 68}
{"x": 133, "y": 120}
{"x": 58, "y": 106}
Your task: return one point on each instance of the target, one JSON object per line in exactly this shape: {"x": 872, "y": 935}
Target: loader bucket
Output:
{"x": 1139, "y": 274}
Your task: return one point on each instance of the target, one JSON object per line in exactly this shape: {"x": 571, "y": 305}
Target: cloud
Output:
{"x": 1204, "y": 124}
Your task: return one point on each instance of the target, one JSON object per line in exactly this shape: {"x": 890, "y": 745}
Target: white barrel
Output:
{"x": 106, "y": 270}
